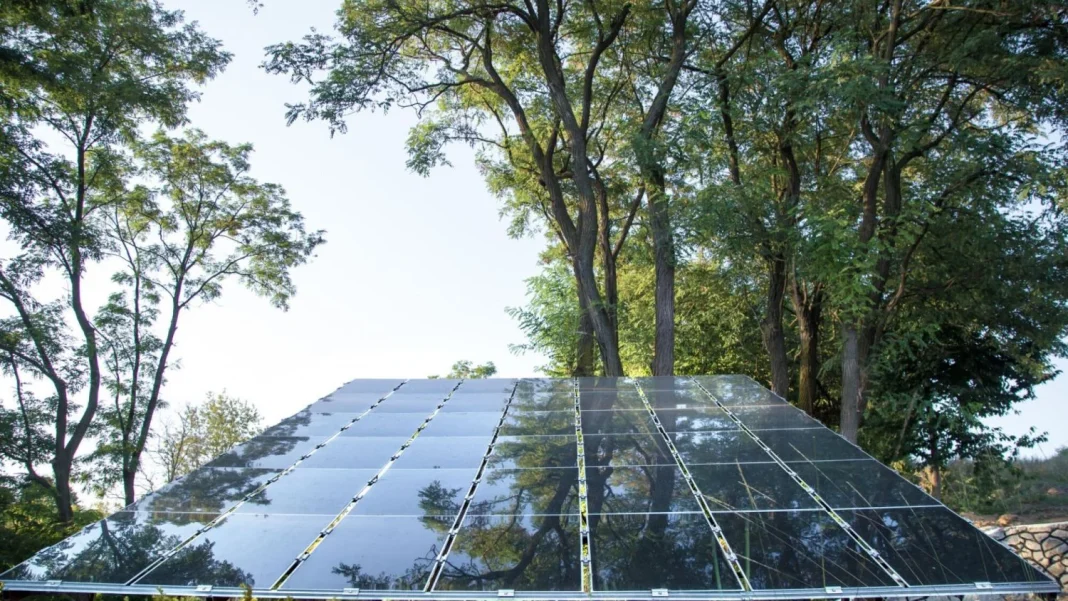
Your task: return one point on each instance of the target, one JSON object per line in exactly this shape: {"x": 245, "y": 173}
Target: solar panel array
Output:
{"x": 704, "y": 487}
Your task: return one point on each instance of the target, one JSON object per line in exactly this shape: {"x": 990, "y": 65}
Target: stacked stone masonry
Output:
{"x": 1045, "y": 545}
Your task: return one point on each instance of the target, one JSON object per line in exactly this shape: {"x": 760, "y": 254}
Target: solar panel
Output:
{"x": 704, "y": 487}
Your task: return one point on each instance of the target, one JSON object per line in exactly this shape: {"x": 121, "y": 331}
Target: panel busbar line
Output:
{"x": 230, "y": 511}
{"x": 329, "y": 528}
{"x": 717, "y": 532}
{"x": 458, "y": 521}
{"x": 868, "y": 549}
{"x": 585, "y": 558}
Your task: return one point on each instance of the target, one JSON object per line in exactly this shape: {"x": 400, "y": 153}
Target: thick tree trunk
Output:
{"x": 664, "y": 259}
{"x": 809, "y": 368}
{"x": 934, "y": 468}
{"x": 61, "y": 468}
{"x": 771, "y": 328}
{"x": 808, "y": 308}
{"x": 129, "y": 490}
{"x": 606, "y": 335}
{"x": 584, "y": 353}
{"x": 854, "y": 359}
{"x": 936, "y": 482}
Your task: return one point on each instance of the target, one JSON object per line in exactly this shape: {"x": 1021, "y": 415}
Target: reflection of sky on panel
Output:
{"x": 363, "y": 552}
{"x": 117, "y": 548}
{"x": 237, "y": 552}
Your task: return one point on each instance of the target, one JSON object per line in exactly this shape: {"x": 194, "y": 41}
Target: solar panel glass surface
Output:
{"x": 708, "y": 486}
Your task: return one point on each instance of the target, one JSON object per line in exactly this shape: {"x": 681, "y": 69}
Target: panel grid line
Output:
{"x": 717, "y": 532}
{"x": 585, "y": 558}
{"x": 326, "y": 531}
{"x": 454, "y": 530}
{"x": 232, "y": 510}
{"x": 842, "y": 523}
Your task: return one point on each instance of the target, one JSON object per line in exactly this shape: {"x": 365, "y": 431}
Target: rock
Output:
{"x": 995, "y": 533}
{"x": 1007, "y": 519}
{"x": 1061, "y": 533}
{"x": 1027, "y": 535}
{"x": 1032, "y": 545}
{"x": 1013, "y": 540}
{"x": 1054, "y": 492}
{"x": 1054, "y": 546}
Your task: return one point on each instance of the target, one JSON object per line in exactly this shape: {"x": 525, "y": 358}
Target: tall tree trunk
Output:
{"x": 61, "y": 468}
{"x": 584, "y": 353}
{"x": 855, "y": 349}
{"x": 664, "y": 260}
{"x": 935, "y": 468}
{"x": 606, "y": 336}
{"x": 129, "y": 491}
{"x": 808, "y": 308}
{"x": 771, "y": 327}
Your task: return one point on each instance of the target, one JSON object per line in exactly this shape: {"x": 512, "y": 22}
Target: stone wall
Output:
{"x": 1045, "y": 545}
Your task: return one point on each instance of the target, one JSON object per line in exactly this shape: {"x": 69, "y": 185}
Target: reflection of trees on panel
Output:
{"x": 116, "y": 549}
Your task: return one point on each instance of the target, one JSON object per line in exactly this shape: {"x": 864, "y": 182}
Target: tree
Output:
{"x": 940, "y": 373}
{"x": 467, "y": 370}
{"x": 204, "y": 222}
{"x": 87, "y": 74}
{"x": 203, "y": 432}
{"x": 27, "y": 521}
{"x": 925, "y": 84}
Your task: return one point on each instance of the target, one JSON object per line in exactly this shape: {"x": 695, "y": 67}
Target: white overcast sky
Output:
{"x": 416, "y": 272}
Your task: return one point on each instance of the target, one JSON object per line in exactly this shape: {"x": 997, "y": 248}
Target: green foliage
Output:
{"x": 1035, "y": 489}
{"x": 203, "y": 432}
{"x": 79, "y": 81}
{"x": 467, "y": 370}
{"x": 28, "y": 521}
{"x": 551, "y": 320}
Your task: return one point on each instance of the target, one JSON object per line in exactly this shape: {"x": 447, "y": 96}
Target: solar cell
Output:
{"x": 534, "y": 452}
{"x": 934, "y": 546}
{"x": 490, "y": 554}
{"x": 310, "y": 424}
{"x": 208, "y": 490}
{"x": 363, "y": 552}
{"x": 235, "y": 553}
{"x": 526, "y": 492}
{"x": 639, "y": 489}
{"x": 708, "y": 486}
{"x": 446, "y": 452}
{"x": 860, "y": 484}
{"x": 534, "y": 423}
{"x": 783, "y": 550}
{"x": 749, "y": 486}
{"x": 310, "y": 491}
{"x": 479, "y": 423}
{"x": 418, "y": 493}
{"x": 267, "y": 452}
{"x": 695, "y": 419}
{"x": 642, "y": 552}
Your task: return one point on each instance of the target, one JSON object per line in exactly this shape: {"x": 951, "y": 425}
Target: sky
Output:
{"x": 416, "y": 272}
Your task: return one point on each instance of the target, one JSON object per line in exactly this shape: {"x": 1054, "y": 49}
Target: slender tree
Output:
{"x": 86, "y": 74}
{"x": 204, "y": 221}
